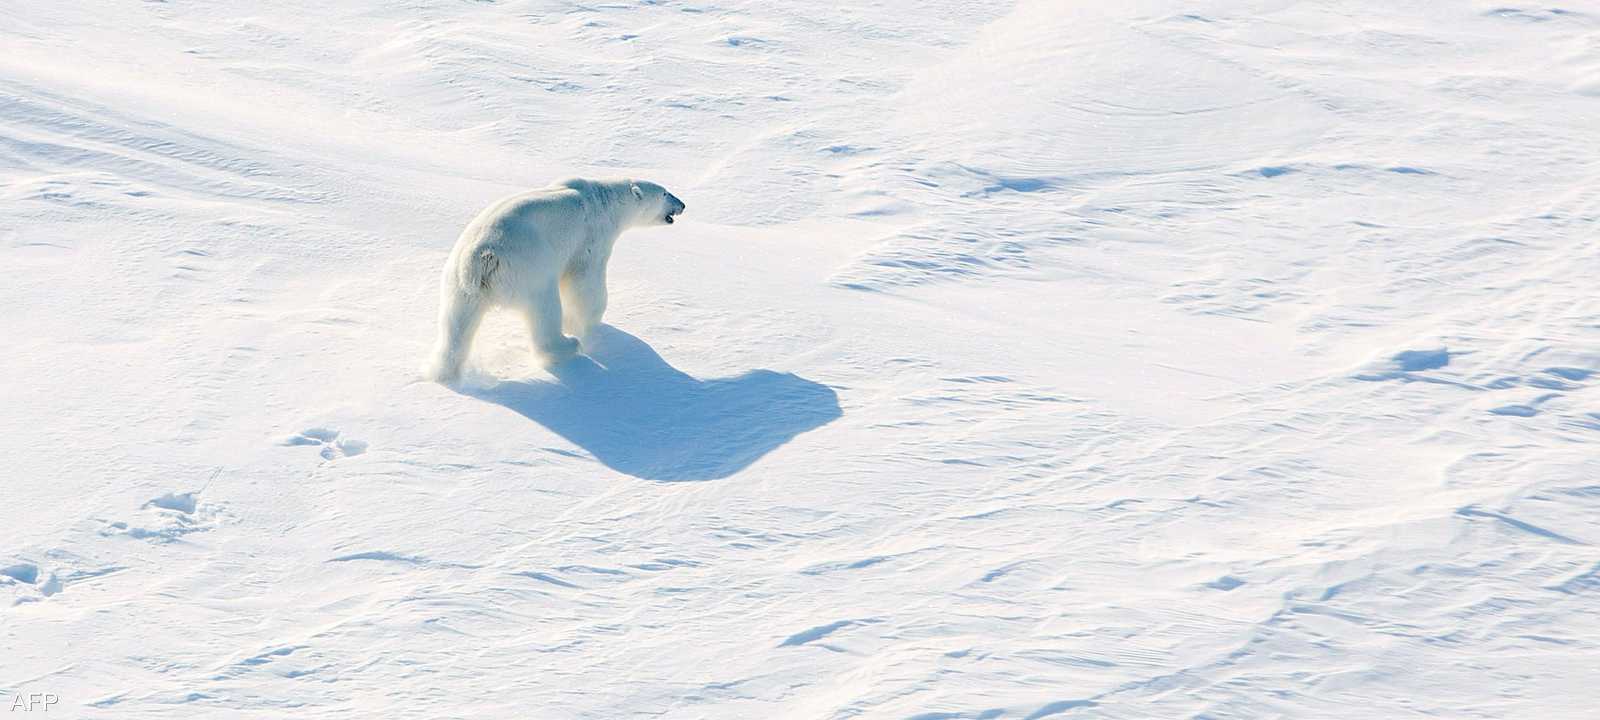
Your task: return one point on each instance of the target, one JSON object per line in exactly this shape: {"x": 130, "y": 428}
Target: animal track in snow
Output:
{"x": 32, "y": 582}
{"x": 181, "y": 502}
{"x": 30, "y": 575}
{"x": 328, "y": 439}
{"x": 168, "y": 518}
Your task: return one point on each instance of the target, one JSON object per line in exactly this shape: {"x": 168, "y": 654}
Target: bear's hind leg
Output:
{"x": 544, "y": 324}
{"x": 583, "y": 296}
{"x": 459, "y": 316}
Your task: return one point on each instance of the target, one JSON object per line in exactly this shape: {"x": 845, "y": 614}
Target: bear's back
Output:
{"x": 532, "y": 208}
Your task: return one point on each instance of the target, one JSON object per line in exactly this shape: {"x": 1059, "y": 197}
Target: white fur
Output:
{"x": 544, "y": 253}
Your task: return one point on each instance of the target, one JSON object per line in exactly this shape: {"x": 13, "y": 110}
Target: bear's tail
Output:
{"x": 476, "y": 274}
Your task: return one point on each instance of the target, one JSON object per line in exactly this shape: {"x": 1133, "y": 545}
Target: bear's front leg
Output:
{"x": 583, "y": 295}
{"x": 544, "y": 324}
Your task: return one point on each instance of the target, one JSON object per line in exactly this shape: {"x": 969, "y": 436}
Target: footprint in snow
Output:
{"x": 168, "y": 518}
{"x": 29, "y": 575}
{"x": 333, "y": 448}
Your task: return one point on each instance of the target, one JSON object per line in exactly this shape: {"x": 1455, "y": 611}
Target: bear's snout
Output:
{"x": 675, "y": 207}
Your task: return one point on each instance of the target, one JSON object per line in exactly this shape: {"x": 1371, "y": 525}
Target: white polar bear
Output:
{"x": 543, "y": 252}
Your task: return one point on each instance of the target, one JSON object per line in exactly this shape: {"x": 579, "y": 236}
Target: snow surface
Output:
{"x": 1037, "y": 360}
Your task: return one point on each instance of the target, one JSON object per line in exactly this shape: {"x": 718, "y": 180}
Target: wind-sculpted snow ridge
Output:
{"x": 1029, "y": 360}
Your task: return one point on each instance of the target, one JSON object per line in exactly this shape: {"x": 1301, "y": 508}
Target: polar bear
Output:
{"x": 543, "y": 252}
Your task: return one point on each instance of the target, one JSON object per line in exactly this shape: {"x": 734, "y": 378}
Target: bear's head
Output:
{"x": 653, "y": 204}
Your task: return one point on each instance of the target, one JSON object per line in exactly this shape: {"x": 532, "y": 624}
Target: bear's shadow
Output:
{"x": 640, "y": 416}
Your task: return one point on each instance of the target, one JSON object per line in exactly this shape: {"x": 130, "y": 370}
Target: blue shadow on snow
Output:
{"x": 640, "y": 416}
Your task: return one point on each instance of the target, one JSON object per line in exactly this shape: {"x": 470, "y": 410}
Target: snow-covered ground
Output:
{"x": 1024, "y": 360}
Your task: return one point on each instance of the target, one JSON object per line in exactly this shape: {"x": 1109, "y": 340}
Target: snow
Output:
{"x": 1013, "y": 360}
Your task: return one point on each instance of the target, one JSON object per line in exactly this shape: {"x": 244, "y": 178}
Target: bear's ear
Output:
{"x": 637, "y": 193}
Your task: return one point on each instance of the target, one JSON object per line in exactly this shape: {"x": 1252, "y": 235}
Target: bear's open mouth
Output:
{"x": 674, "y": 208}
